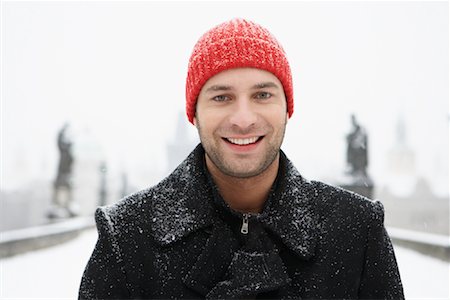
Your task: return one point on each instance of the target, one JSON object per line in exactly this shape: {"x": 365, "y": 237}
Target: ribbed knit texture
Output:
{"x": 237, "y": 43}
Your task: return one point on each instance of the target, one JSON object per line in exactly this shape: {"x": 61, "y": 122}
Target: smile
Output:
{"x": 243, "y": 142}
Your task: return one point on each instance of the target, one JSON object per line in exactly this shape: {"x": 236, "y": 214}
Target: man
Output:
{"x": 236, "y": 219}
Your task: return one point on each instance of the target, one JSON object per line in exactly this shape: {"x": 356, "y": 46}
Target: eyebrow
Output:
{"x": 261, "y": 85}
{"x": 217, "y": 87}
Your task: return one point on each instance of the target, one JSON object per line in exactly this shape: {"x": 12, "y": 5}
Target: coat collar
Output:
{"x": 182, "y": 204}
{"x": 291, "y": 214}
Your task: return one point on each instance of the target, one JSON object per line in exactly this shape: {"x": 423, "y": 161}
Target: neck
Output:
{"x": 246, "y": 195}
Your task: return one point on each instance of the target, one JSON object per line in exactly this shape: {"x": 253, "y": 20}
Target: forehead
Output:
{"x": 241, "y": 78}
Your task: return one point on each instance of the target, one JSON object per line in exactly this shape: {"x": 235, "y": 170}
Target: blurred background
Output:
{"x": 92, "y": 109}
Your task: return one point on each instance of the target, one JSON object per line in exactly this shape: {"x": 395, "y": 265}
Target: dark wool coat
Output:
{"x": 180, "y": 240}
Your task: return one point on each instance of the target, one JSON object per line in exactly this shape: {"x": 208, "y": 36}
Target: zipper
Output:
{"x": 244, "y": 228}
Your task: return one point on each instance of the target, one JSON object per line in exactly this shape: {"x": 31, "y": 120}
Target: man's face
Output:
{"x": 241, "y": 117}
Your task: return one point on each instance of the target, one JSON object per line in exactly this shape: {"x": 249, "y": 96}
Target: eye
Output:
{"x": 263, "y": 95}
{"x": 221, "y": 98}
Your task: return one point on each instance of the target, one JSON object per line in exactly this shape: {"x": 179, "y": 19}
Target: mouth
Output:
{"x": 244, "y": 141}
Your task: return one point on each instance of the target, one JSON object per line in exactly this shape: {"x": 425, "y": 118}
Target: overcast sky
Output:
{"x": 116, "y": 71}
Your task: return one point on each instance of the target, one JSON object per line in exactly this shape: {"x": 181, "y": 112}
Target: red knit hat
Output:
{"x": 236, "y": 44}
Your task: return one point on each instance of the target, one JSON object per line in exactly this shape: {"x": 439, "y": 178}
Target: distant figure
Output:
{"x": 357, "y": 157}
{"x": 62, "y": 202}
{"x": 124, "y": 189}
{"x": 103, "y": 190}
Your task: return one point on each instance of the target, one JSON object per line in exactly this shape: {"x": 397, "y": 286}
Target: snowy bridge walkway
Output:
{"x": 54, "y": 273}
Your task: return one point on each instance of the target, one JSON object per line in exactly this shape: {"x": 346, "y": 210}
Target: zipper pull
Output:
{"x": 244, "y": 228}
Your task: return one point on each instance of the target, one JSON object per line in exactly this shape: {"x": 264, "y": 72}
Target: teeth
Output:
{"x": 243, "y": 141}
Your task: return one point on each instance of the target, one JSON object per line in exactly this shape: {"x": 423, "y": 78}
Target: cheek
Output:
{"x": 206, "y": 122}
{"x": 276, "y": 116}
{"x": 210, "y": 117}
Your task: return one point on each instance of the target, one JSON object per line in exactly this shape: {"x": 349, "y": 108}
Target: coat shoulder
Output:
{"x": 174, "y": 207}
{"x": 139, "y": 208}
{"x": 125, "y": 214}
{"x": 336, "y": 200}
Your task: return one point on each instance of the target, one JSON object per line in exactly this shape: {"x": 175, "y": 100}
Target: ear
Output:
{"x": 195, "y": 120}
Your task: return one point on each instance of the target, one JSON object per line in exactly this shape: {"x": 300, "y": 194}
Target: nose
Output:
{"x": 243, "y": 113}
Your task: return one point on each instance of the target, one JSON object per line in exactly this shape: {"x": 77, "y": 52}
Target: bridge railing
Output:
{"x": 19, "y": 241}
{"x": 427, "y": 243}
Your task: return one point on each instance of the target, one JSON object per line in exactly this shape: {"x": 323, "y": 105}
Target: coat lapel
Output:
{"x": 181, "y": 203}
{"x": 292, "y": 216}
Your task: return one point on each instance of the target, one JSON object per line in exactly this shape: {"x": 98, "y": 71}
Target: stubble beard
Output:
{"x": 212, "y": 150}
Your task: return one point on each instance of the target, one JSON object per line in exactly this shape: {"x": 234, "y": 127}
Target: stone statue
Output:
{"x": 357, "y": 157}
{"x": 62, "y": 202}
{"x": 356, "y": 177}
